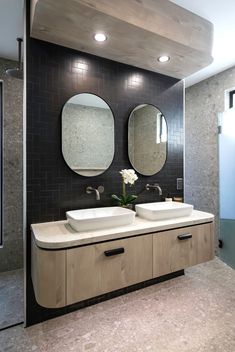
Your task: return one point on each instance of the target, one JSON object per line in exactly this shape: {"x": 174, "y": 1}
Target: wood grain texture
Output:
{"x": 138, "y": 32}
{"x": 170, "y": 254}
{"x": 64, "y": 277}
{"x": 90, "y": 273}
{"x": 48, "y": 276}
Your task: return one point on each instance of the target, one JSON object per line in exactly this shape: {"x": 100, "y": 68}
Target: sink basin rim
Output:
{"x": 102, "y": 210}
{"x": 163, "y": 210}
{"x": 99, "y": 218}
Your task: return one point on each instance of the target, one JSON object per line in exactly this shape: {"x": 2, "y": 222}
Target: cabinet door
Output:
{"x": 178, "y": 249}
{"x": 96, "y": 269}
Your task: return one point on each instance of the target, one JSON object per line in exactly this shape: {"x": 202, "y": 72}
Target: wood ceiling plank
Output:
{"x": 161, "y": 17}
{"x": 138, "y": 32}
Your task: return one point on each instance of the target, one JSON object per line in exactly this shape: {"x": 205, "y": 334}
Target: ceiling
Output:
{"x": 220, "y": 13}
{"x": 11, "y": 27}
{"x": 154, "y": 28}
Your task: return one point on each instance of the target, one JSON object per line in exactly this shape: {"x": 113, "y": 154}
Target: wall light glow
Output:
{"x": 135, "y": 81}
{"x": 80, "y": 67}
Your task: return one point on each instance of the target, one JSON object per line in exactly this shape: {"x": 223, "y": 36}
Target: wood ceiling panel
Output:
{"x": 138, "y": 32}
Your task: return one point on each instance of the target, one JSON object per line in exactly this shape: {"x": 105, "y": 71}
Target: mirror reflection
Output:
{"x": 87, "y": 134}
{"x": 147, "y": 139}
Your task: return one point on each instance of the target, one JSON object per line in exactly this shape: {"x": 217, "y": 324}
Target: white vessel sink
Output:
{"x": 99, "y": 218}
{"x": 163, "y": 210}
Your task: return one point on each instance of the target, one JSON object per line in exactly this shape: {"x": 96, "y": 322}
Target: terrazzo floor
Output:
{"x": 11, "y": 298}
{"x": 191, "y": 313}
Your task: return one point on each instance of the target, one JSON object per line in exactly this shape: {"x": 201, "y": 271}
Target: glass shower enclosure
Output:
{"x": 227, "y": 186}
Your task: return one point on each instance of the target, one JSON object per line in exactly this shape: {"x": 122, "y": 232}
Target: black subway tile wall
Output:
{"x": 53, "y": 76}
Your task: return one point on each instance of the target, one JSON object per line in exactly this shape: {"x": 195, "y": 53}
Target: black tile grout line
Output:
{"x": 11, "y": 326}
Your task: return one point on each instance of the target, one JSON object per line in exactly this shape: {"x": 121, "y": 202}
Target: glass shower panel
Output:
{"x": 227, "y": 185}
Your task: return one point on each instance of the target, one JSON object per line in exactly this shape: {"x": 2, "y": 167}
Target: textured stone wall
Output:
{"x": 203, "y": 103}
{"x": 11, "y": 255}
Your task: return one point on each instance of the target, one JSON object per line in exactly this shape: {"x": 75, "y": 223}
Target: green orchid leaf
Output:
{"x": 131, "y": 198}
{"x": 124, "y": 199}
{"x": 116, "y": 197}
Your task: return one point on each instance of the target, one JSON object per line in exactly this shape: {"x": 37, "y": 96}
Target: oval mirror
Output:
{"x": 147, "y": 139}
{"x": 87, "y": 134}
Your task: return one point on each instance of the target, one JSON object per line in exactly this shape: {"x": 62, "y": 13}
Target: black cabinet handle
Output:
{"x": 184, "y": 237}
{"x": 114, "y": 251}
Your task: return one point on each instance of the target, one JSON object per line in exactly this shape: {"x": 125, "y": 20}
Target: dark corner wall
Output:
{"x": 52, "y": 188}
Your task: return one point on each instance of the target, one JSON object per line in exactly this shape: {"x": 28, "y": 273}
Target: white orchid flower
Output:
{"x": 129, "y": 176}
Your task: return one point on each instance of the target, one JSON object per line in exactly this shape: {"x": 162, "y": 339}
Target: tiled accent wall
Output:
{"x": 203, "y": 103}
{"x": 11, "y": 254}
{"x": 54, "y": 74}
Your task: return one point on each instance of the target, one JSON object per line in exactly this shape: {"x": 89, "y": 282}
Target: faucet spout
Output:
{"x": 97, "y": 194}
{"x": 97, "y": 191}
{"x": 159, "y": 190}
{"x": 155, "y": 186}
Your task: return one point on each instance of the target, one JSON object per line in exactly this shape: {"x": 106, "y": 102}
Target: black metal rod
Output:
{"x": 185, "y": 236}
{"x": 19, "y": 40}
{"x": 115, "y": 251}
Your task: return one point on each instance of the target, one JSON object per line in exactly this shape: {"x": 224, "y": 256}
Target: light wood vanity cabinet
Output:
{"x": 105, "y": 267}
{"x": 65, "y": 276}
{"x": 178, "y": 249}
{"x": 48, "y": 271}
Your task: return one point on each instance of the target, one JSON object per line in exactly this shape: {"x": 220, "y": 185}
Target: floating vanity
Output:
{"x": 69, "y": 267}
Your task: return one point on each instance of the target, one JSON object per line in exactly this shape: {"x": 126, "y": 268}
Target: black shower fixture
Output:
{"x": 18, "y": 71}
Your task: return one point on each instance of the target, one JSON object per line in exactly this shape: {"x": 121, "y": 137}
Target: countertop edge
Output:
{"x": 86, "y": 238}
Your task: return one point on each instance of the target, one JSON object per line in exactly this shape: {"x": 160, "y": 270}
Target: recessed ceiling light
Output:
{"x": 100, "y": 37}
{"x": 164, "y": 58}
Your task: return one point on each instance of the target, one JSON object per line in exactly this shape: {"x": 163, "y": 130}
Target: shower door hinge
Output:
{"x": 219, "y": 129}
{"x": 220, "y": 243}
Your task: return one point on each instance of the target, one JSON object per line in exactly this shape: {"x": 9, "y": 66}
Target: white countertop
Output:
{"x": 59, "y": 234}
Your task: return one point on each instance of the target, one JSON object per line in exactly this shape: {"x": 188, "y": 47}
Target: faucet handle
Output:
{"x": 100, "y": 189}
{"x": 90, "y": 189}
{"x": 154, "y": 186}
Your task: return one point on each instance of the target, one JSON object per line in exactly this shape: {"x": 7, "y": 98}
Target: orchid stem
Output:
{"x": 123, "y": 189}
